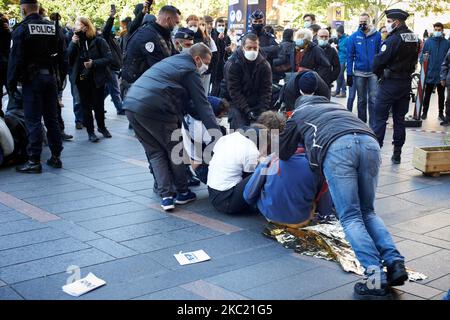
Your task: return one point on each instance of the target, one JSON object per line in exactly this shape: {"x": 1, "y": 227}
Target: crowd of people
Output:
{"x": 167, "y": 74}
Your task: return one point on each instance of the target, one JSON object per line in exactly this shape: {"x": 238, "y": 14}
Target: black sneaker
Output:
{"x": 93, "y": 137}
{"x": 424, "y": 116}
{"x": 445, "y": 123}
{"x": 78, "y": 125}
{"x": 54, "y": 162}
{"x": 441, "y": 117}
{"x": 362, "y": 292}
{"x": 30, "y": 167}
{"x": 66, "y": 137}
{"x": 396, "y": 274}
{"x": 105, "y": 132}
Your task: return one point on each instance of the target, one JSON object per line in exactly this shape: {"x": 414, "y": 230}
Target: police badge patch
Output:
{"x": 150, "y": 46}
{"x": 409, "y": 37}
{"x": 383, "y": 48}
{"x": 42, "y": 29}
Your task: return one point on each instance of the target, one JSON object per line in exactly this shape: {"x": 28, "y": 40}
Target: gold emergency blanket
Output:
{"x": 324, "y": 241}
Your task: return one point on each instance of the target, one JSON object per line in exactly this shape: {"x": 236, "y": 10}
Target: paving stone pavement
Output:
{"x": 99, "y": 213}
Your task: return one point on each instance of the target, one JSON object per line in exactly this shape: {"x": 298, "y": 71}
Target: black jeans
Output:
{"x": 230, "y": 201}
{"x": 441, "y": 97}
{"x": 92, "y": 98}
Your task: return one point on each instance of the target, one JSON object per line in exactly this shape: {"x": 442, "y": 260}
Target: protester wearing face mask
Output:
{"x": 184, "y": 39}
{"x": 248, "y": 83}
{"x": 308, "y": 55}
{"x": 362, "y": 47}
{"x": 154, "y": 106}
{"x": 436, "y": 47}
{"x": 384, "y": 33}
{"x": 333, "y": 72}
{"x": 309, "y": 20}
{"x": 151, "y": 43}
{"x": 223, "y": 43}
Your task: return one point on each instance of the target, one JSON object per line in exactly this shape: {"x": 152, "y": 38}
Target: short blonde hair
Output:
{"x": 91, "y": 32}
{"x": 192, "y": 17}
{"x": 305, "y": 33}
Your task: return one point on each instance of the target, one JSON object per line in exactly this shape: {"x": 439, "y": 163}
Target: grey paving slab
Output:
{"x": 73, "y": 230}
{"x": 19, "y": 226}
{"x": 442, "y": 283}
{"x": 122, "y": 220}
{"x": 435, "y": 265}
{"x": 102, "y": 211}
{"x": 49, "y": 190}
{"x": 31, "y": 185}
{"x": 39, "y": 251}
{"x": 412, "y": 250}
{"x": 251, "y": 276}
{"x": 70, "y": 196}
{"x": 2, "y": 284}
{"x": 402, "y": 187}
{"x": 211, "y": 291}
{"x": 141, "y": 185}
{"x": 426, "y": 224}
{"x": 4, "y": 208}
{"x": 175, "y": 293}
{"x": 419, "y": 290}
{"x": 112, "y": 248}
{"x": 9, "y": 216}
{"x": 170, "y": 239}
{"x": 82, "y": 204}
{"x": 6, "y": 293}
{"x": 344, "y": 292}
{"x": 443, "y": 233}
{"x": 301, "y": 286}
{"x": 393, "y": 204}
{"x": 145, "y": 229}
{"x": 420, "y": 238}
{"x": 435, "y": 194}
{"x": 29, "y": 237}
{"x": 123, "y": 175}
{"x": 52, "y": 265}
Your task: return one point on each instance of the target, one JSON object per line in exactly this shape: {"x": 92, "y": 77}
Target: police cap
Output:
{"x": 257, "y": 14}
{"x": 184, "y": 33}
{"x": 397, "y": 14}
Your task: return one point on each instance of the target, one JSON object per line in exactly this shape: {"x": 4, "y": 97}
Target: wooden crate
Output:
{"x": 432, "y": 160}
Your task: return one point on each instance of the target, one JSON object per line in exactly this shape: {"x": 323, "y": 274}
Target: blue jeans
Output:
{"x": 340, "y": 82}
{"x": 113, "y": 89}
{"x": 366, "y": 87}
{"x": 351, "y": 97}
{"x": 77, "y": 108}
{"x": 351, "y": 168}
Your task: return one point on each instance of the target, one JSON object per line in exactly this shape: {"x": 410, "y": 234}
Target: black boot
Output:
{"x": 105, "y": 132}
{"x": 54, "y": 162}
{"x": 31, "y": 166}
{"x": 396, "y": 156}
{"x": 93, "y": 137}
{"x": 396, "y": 274}
{"x": 363, "y": 292}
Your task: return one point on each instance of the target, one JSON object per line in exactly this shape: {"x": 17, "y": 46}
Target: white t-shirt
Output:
{"x": 233, "y": 155}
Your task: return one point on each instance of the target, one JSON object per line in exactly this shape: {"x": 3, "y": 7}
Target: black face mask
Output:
{"x": 257, "y": 27}
{"x": 81, "y": 35}
{"x": 363, "y": 26}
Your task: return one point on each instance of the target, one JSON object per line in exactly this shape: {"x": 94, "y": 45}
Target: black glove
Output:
{"x": 251, "y": 116}
{"x": 349, "y": 81}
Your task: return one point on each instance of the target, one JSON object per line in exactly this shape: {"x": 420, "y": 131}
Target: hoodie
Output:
{"x": 361, "y": 50}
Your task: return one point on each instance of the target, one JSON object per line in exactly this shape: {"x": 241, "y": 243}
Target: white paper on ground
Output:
{"x": 191, "y": 257}
{"x": 82, "y": 286}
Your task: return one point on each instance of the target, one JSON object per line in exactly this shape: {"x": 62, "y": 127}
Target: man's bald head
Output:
{"x": 323, "y": 33}
{"x": 29, "y": 8}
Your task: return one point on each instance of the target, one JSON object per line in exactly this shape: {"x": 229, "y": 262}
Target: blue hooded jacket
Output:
{"x": 342, "y": 48}
{"x": 361, "y": 50}
{"x": 437, "y": 48}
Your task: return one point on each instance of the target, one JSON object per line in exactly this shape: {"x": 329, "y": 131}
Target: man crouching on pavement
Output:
{"x": 346, "y": 151}
{"x": 155, "y": 105}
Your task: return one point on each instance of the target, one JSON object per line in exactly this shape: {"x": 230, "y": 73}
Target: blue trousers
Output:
{"x": 40, "y": 98}
{"x": 113, "y": 89}
{"x": 395, "y": 94}
{"x": 366, "y": 87}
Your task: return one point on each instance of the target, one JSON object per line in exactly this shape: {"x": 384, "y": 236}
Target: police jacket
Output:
{"x": 35, "y": 46}
{"x": 291, "y": 92}
{"x": 248, "y": 84}
{"x": 116, "y": 52}
{"x": 269, "y": 46}
{"x": 317, "y": 123}
{"x": 335, "y": 67}
{"x": 150, "y": 44}
{"x": 169, "y": 88}
{"x": 398, "y": 55}
{"x": 315, "y": 59}
{"x": 437, "y": 48}
{"x": 100, "y": 54}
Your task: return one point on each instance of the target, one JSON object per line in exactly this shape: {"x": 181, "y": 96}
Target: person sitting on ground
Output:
{"x": 234, "y": 159}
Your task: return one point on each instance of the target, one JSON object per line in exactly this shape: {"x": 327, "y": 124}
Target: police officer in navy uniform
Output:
{"x": 36, "y": 54}
{"x": 394, "y": 65}
{"x": 267, "y": 42}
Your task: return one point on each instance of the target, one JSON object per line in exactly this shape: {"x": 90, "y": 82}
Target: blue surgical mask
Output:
{"x": 307, "y": 24}
{"x": 322, "y": 43}
{"x": 299, "y": 42}
{"x": 437, "y": 33}
{"x": 220, "y": 29}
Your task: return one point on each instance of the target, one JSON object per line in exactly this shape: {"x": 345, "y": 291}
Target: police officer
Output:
{"x": 151, "y": 43}
{"x": 267, "y": 41}
{"x": 394, "y": 65}
{"x": 35, "y": 56}
{"x": 184, "y": 39}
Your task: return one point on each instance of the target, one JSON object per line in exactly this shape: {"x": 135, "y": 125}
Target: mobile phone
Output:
{"x": 113, "y": 7}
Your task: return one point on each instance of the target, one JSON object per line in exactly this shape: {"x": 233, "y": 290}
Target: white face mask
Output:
{"x": 220, "y": 29}
{"x": 251, "y": 55}
{"x": 203, "y": 68}
{"x": 193, "y": 29}
{"x": 389, "y": 27}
